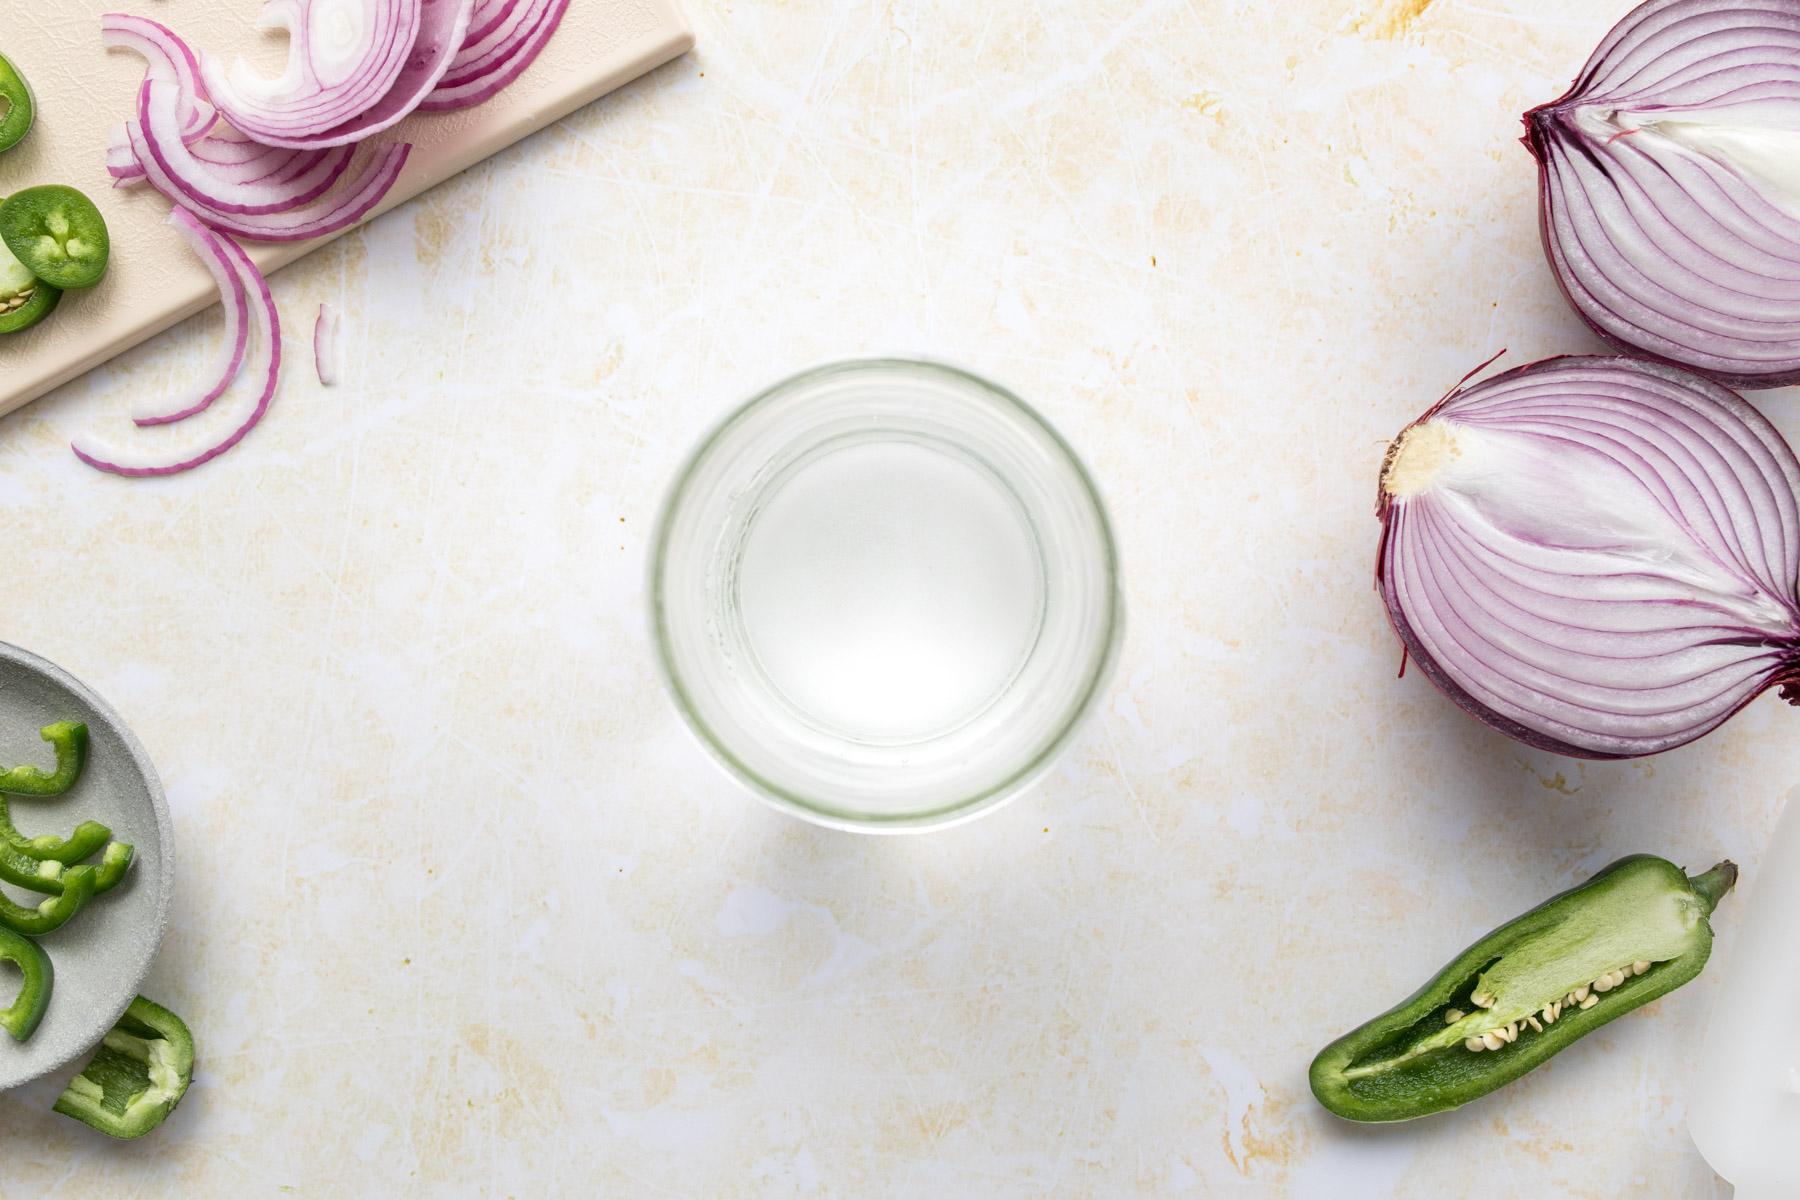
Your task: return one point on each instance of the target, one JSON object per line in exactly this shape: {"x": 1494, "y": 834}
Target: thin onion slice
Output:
{"x": 515, "y": 34}
{"x": 234, "y": 296}
{"x": 1596, "y": 556}
{"x": 325, "y": 345}
{"x": 275, "y": 182}
{"x": 263, "y": 328}
{"x": 1669, "y": 187}
{"x": 167, "y": 59}
{"x": 358, "y": 195}
{"x": 344, "y": 57}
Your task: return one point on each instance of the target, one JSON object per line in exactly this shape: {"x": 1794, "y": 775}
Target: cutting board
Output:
{"x": 153, "y": 280}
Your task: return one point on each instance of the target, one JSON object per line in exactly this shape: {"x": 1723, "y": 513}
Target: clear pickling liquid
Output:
{"x": 890, "y": 588}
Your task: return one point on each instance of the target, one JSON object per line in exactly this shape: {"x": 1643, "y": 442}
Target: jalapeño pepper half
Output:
{"x": 1635, "y": 931}
{"x": 53, "y": 913}
{"x": 69, "y": 739}
{"x": 27, "y": 1009}
{"x": 137, "y": 1076}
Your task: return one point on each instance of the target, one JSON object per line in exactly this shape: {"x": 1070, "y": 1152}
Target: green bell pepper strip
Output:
{"x": 87, "y": 840}
{"x": 70, "y": 741}
{"x": 1635, "y": 931}
{"x": 17, "y": 108}
{"x": 27, "y": 1009}
{"x": 137, "y": 1076}
{"x": 113, "y": 865}
{"x": 22, "y": 870}
{"x": 53, "y": 913}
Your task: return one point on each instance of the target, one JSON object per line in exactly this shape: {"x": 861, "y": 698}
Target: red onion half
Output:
{"x": 162, "y": 452}
{"x": 1669, "y": 190}
{"x": 1596, "y": 556}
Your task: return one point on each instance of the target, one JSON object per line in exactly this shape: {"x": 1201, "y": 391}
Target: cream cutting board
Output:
{"x": 153, "y": 281}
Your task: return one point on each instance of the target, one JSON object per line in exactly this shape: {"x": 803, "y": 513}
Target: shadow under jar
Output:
{"x": 884, "y": 594}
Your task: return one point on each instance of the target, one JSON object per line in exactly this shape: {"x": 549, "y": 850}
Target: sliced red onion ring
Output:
{"x": 325, "y": 348}
{"x": 168, "y": 60}
{"x": 234, "y": 296}
{"x": 516, "y": 33}
{"x": 344, "y": 57}
{"x": 360, "y": 192}
{"x": 442, "y": 27}
{"x": 1596, "y": 556}
{"x": 486, "y": 18}
{"x": 1669, "y": 190}
{"x": 159, "y": 455}
{"x": 275, "y": 182}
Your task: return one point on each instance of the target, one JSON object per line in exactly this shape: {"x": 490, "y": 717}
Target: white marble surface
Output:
{"x": 461, "y": 910}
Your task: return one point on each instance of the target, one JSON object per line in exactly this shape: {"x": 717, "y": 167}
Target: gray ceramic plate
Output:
{"x": 101, "y": 957}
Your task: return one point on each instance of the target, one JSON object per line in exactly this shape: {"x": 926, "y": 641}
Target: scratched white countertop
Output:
{"x": 461, "y": 910}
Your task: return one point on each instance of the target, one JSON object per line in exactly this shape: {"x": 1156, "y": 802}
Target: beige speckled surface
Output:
{"x": 463, "y": 912}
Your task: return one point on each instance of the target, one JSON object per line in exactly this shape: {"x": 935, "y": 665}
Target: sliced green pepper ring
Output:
{"x": 113, "y": 865}
{"x": 69, "y": 741}
{"x": 57, "y": 234}
{"x": 24, "y": 298}
{"x": 137, "y": 1076}
{"x": 20, "y": 1019}
{"x": 21, "y": 870}
{"x": 53, "y": 913}
{"x": 87, "y": 840}
{"x": 17, "y": 109}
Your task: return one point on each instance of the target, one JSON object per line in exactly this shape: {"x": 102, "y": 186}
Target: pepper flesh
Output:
{"x": 1412, "y": 1061}
{"x": 137, "y": 1076}
{"x": 87, "y": 839}
{"x": 69, "y": 739}
{"x": 113, "y": 865}
{"x": 53, "y": 913}
{"x": 22, "y": 870}
{"x": 21, "y": 1018}
{"x": 17, "y": 109}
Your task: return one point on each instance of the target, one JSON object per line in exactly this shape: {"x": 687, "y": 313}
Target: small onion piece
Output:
{"x": 325, "y": 345}
{"x": 263, "y": 328}
{"x": 168, "y": 60}
{"x": 1669, "y": 187}
{"x": 510, "y": 37}
{"x": 344, "y": 57}
{"x": 358, "y": 195}
{"x": 1596, "y": 556}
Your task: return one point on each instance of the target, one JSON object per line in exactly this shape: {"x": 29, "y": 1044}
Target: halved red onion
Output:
{"x": 348, "y": 204}
{"x": 1596, "y": 556}
{"x": 168, "y": 60}
{"x": 275, "y": 181}
{"x": 325, "y": 351}
{"x": 234, "y": 297}
{"x": 1669, "y": 194}
{"x": 160, "y": 452}
{"x": 486, "y": 18}
{"x": 511, "y": 35}
{"x": 344, "y": 57}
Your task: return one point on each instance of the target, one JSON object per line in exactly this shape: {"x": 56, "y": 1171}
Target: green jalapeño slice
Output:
{"x": 57, "y": 234}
